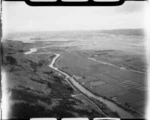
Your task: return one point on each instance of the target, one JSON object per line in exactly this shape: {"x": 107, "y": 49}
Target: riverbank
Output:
{"x": 122, "y": 113}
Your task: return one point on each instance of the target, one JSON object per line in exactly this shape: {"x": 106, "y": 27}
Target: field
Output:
{"x": 121, "y": 85}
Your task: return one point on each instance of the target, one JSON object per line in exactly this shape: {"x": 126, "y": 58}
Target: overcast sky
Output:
{"x": 17, "y": 16}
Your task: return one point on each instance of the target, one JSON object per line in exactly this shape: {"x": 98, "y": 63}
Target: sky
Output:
{"x": 18, "y": 16}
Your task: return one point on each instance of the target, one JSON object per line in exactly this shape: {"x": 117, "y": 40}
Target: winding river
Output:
{"x": 113, "y": 65}
{"x": 111, "y": 105}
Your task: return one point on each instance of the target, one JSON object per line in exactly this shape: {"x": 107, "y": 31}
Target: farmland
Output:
{"x": 121, "y": 85}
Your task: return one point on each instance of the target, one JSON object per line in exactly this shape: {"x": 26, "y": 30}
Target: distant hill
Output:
{"x": 136, "y": 32}
{"x": 41, "y": 35}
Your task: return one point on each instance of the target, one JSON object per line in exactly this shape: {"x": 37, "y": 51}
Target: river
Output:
{"x": 113, "y": 65}
{"x": 32, "y": 50}
{"x": 111, "y": 105}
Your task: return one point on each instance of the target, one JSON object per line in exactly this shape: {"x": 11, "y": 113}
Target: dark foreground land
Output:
{"x": 36, "y": 90}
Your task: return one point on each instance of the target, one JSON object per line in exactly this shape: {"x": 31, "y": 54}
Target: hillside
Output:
{"x": 36, "y": 90}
